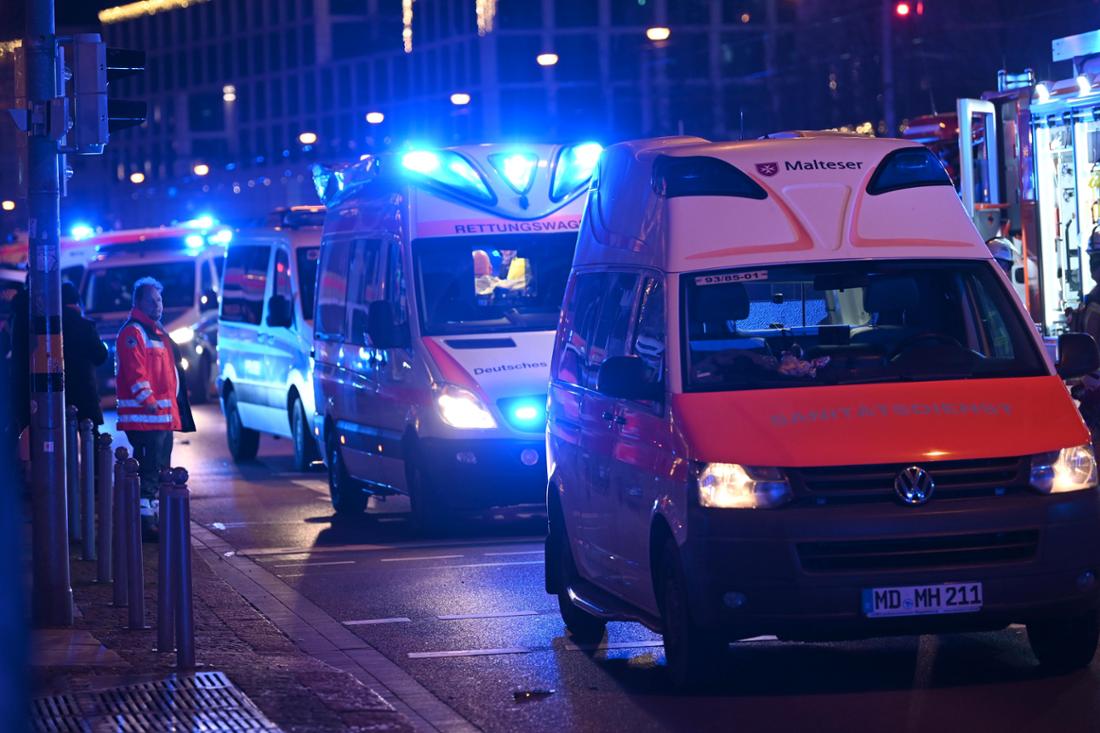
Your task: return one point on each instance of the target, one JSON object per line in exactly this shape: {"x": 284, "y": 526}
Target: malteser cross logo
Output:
{"x": 767, "y": 169}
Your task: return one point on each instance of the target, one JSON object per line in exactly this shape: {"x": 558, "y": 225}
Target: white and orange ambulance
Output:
{"x": 793, "y": 395}
{"x": 439, "y": 288}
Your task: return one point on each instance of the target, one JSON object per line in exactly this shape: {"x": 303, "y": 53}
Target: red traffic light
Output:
{"x": 903, "y": 9}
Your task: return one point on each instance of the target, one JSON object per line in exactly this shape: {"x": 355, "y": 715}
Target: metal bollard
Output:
{"x": 87, "y": 488}
{"x": 118, "y": 538}
{"x": 72, "y": 472}
{"x": 135, "y": 569}
{"x": 176, "y": 518}
{"x": 167, "y": 560}
{"x": 104, "y": 570}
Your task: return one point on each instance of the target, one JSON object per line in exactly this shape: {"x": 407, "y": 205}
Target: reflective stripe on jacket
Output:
{"x": 147, "y": 377}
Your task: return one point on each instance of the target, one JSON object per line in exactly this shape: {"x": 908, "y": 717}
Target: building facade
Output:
{"x": 244, "y": 95}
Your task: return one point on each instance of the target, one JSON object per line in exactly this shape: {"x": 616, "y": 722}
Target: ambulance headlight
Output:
{"x": 461, "y": 408}
{"x": 1069, "y": 469}
{"x": 733, "y": 486}
{"x": 184, "y": 335}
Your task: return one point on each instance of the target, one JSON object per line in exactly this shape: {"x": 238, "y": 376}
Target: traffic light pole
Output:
{"x": 52, "y": 595}
{"x": 888, "y": 113}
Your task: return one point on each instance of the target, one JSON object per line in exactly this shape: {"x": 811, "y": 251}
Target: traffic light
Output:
{"x": 95, "y": 116}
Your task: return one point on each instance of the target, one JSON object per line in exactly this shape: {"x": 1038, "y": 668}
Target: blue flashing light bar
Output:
{"x": 222, "y": 236}
{"x": 517, "y": 169}
{"x": 81, "y": 231}
{"x": 574, "y": 168}
{"x": 194, "y": 241}
{"x": 204, "y": 221}
{"x": 525, "y": 413}
{"x": 449, "y": 170}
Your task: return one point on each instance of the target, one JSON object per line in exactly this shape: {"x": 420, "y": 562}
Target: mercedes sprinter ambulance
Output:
{"x": 792, "y": 394}
{"x": 439, "y": 289}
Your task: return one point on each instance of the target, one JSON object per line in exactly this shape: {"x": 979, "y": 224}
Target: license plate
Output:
{"x": 920, "y": 600}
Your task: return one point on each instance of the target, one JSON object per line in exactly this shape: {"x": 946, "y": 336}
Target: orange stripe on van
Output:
{"x": 880, "y": 423}
{"x": 450, "y": 369}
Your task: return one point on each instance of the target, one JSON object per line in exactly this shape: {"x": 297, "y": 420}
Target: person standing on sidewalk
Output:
{"x": 151, "y": 400}
{"x": 83, "y": 351}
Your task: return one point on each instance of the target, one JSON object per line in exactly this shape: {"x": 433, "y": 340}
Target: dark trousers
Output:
{"x": 153, "y": 450}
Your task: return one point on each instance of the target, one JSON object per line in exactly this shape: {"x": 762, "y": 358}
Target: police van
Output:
{"x": 793, "y": 395}
{"x": 440, "y": 285}
{"x": 187, "y": 260}
{"x": 265, "y": 334}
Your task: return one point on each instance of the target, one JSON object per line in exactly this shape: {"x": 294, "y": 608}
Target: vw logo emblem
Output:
{"x": 914, "y": 486}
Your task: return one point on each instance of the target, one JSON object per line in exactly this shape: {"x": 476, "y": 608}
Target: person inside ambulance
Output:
{"x": 151, "y": 402}
{"x": 486, "y": 281}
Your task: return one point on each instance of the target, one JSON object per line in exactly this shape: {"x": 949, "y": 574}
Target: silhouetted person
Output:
{"x": 84, "y": 351}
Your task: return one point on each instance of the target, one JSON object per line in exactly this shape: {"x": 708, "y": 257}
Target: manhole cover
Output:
{"x": 205, "y": 701}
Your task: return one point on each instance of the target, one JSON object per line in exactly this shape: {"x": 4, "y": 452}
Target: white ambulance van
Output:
{"x": 265, "y": 334}
{"x": 792, "y": 394}
{"x": 188, "y": 261}
{"x": 439, "y": 289}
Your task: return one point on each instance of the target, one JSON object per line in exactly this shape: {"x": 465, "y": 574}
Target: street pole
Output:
{"x": 888, "y": 68}
{"x": 52, "y": 596}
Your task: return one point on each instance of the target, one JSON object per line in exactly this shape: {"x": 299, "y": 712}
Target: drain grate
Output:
{"x": 205, "y": 701}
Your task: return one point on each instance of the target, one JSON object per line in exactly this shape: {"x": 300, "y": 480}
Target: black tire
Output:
{"x": 1065, "y": 644}
{"x": 348, "y": 498}
{"x": 427, "y": 514}
{"x": 199, "y": 391}
{"x": 691, "y": 653}
{"x": 583, "y": 626}
{"x": 305, "y": 449}
{"x": 243, "y": 442}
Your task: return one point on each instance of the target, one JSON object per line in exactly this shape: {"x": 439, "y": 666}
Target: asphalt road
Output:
{"x": 467, "y": 617}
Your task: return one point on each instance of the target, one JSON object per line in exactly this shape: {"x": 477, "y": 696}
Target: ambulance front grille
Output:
{"x": 875, "y": 482}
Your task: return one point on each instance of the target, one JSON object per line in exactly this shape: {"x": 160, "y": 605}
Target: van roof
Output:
{"x": 685, "y": 203}
{"x": 298, "y": 238}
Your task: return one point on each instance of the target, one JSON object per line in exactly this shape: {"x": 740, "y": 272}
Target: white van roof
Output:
{"x": 684, "y": 203}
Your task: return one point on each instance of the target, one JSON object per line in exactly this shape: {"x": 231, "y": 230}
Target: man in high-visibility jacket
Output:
{"x": 151, "y": 399}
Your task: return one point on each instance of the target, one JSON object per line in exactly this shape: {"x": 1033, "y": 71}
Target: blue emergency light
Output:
{"x": 574, "y": 168}
{"x": 525, "y": 413}
{"x": 81, "y": 231}
{"x": 450, "y": 170}
{"x": 518, "y": 169}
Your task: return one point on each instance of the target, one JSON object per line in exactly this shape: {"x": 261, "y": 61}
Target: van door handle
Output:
{"x": 613, "y": 418}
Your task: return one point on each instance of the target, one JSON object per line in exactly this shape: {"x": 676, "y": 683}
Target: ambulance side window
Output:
{"x": 396, "y": 289}
{"x": 612, "y": 326}
{"x": 578, "y": 320}
{"x": 245, "y": 282}
{"x": 363, "y": 286}
{"x": 332, "y": 290}
{"x": 649, "y": 334}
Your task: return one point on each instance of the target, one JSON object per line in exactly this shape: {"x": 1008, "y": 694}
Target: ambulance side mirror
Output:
{"x": 382, "y": 328}
{"x": 1078, "y": 355}
{"x": 625, "y": 377}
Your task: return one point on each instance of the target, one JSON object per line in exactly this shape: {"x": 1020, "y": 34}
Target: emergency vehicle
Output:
{"x": 440, "y": 285}
{"x": 188, "y": 261}
{"x": 792, "y": 394}
{"x": 265, "y": 334}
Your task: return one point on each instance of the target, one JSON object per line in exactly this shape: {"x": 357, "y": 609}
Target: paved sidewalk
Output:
{"x": 294, "y": 690}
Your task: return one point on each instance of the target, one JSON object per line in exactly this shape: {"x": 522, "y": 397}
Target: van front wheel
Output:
{"x": 243, "y": 442}
{"x": 427, "y": 515}
{"x": 692, "y": 653}
{"x": 305, "y": 450}
{"x": 1065, "y": 644}
{"x": 348, "y": 499}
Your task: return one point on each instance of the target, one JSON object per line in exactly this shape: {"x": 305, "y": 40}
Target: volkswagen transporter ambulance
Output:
{"x": 793, "y": 395}
{"x": 439, "y": 288}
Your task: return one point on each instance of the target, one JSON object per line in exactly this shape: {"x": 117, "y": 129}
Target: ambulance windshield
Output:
{"x": 492, "y": 284}
{"x": 108, "y": 289}
{"x": 852, "y": 323}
